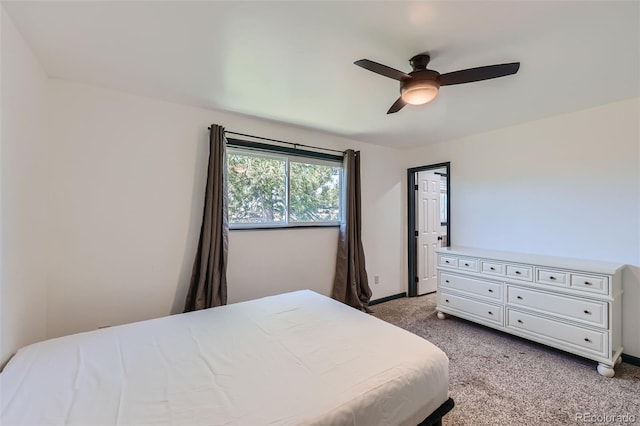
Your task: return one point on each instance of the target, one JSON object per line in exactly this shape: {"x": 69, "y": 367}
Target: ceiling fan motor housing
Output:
{"x": 421, "y": 88}
{"x": 424, "y": 75}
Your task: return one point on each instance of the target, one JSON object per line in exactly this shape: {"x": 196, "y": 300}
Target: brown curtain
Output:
{"x": 209, "y": 277}
{"x": 350, "y": 284}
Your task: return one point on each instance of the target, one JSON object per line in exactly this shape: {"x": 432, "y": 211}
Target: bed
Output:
{"x": 296, "y": 358}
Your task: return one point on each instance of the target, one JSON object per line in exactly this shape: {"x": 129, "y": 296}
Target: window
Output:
{"x": 278, "y": 189}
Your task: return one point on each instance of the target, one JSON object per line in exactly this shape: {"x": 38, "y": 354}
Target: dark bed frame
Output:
{"x": 435, "y": 418}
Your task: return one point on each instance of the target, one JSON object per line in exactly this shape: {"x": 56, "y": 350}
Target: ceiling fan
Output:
{"x": 421, "y": 85}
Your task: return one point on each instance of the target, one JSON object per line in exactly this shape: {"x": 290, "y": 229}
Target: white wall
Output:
{"x": 567, "y": 185}
{"x": 23, "y": 177}
{"x": 127, "y": 186}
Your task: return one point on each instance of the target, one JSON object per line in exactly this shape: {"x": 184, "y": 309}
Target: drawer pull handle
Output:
{"x": 519, "y": 297}
{"x": 551, "y": 277}
{"x": 446, "y": 300}
{"x": 587, "y": 312}
{"x": 492, "y": 268}
{"x": 446, "y": 261}
{"x": 466, "y": 264}
{"x": 520, "y": 321}
{"x": 446, "y": 281}
{"x": 490, "y": 291}
{"x": 587, "y": 283}
{"x": 587, "y": 340}
{"x": 490, "y": 313}
{"x": 518, "y": 272}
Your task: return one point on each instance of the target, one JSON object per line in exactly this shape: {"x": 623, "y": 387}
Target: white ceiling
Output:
{"x": 292, "y": 62}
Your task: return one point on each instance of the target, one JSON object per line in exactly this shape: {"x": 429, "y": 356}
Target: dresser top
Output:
{"x": 595, "y": 266}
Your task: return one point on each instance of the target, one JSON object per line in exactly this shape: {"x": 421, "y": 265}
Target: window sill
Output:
{"x": 283, "y": 227}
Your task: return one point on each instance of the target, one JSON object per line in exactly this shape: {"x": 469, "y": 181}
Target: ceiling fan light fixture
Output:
{"x": 421, "y": 85}
{"x": 419, "y": 92}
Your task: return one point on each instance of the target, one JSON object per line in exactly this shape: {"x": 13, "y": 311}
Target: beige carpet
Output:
{"x": 499, "y": 379}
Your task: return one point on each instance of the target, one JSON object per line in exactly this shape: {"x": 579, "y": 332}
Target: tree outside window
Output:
{"x": 279, "y": 190}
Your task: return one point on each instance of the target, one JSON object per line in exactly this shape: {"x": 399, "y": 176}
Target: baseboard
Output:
{"x": 630, "y": 359}
{"x": 386, "y": 299}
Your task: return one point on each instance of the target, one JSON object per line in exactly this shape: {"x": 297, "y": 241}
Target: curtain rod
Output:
{"x": 295, "y": 145}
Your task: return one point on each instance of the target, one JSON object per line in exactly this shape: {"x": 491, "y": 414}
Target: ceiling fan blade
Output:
{"x": 382, "y": 69}
{"x": 478, "y": 74}
{"x": 397, "y": 106}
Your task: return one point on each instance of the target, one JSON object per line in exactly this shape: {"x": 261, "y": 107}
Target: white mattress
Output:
{"x": 296, "y": 358}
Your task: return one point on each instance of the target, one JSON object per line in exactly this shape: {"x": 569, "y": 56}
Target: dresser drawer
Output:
{"x": 559, "y": 332}
{"x": 485, "y": 311}
{"x": 493, "y": 268}
{"x": 520, "y": 272}
{"x": 468, "y": 264}
{"x": 490, "y": 290}
{"x": 548, "y": 276}
{"x": 449, "y": 261}
{"x": 585, "y": 311}
{"x": 590, "y": 283}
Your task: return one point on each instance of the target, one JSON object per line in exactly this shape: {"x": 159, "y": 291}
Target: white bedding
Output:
{"x": 296, "y": 358}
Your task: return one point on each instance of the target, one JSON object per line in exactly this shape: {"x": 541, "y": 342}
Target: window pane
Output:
{"x": 314, "y": 192}
{"x": 256, "y": 188}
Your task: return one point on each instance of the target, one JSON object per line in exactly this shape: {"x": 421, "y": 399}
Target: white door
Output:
{"x": 428, "y": 226}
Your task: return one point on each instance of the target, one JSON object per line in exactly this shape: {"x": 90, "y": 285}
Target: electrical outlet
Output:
{"x": 376, "y": 279}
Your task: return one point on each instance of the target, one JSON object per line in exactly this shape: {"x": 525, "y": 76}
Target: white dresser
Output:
{"x": 570, "y": 304}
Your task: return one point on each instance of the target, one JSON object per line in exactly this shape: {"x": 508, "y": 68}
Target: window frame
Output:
{"x": 288, "y": 155}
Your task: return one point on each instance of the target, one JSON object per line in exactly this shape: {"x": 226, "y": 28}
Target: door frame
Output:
{"x": 411, "y": 220}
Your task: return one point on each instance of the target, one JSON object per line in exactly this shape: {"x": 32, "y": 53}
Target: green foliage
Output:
{"x": 257, "y": 190}
{"x": 314, "y": 193}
